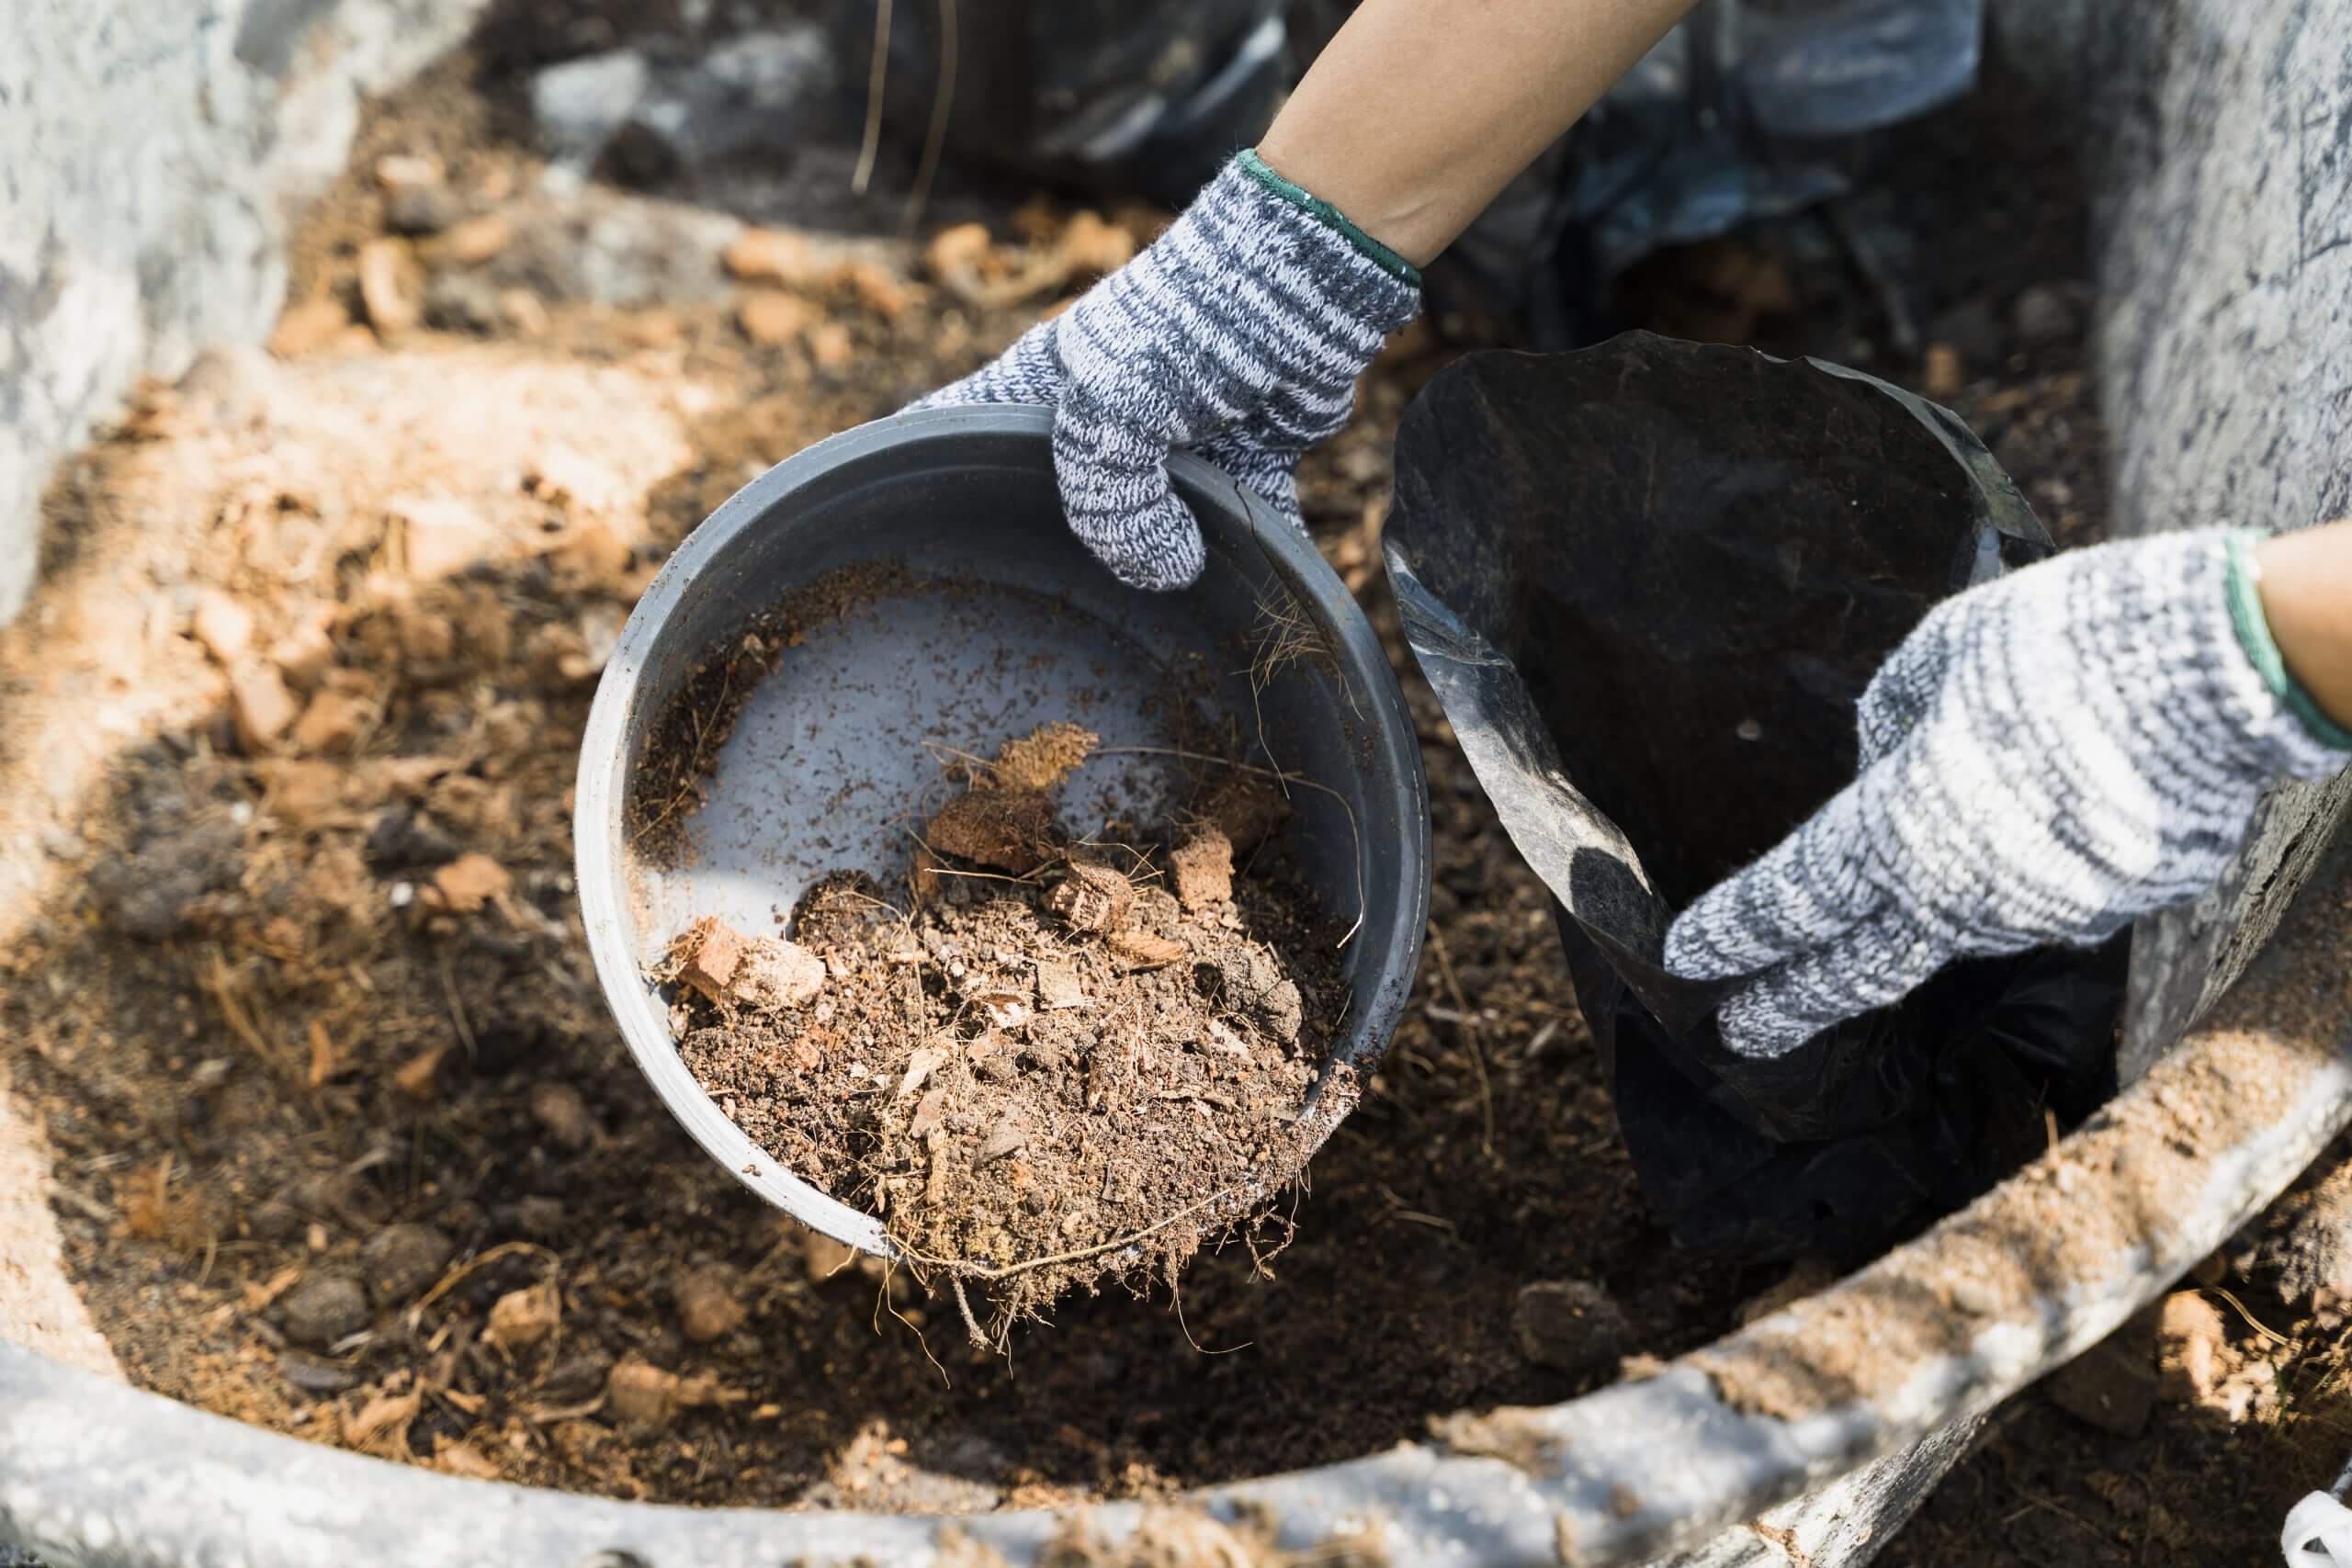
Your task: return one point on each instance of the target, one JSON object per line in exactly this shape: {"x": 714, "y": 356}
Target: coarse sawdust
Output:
{"x": 352, "y": 1153}
{"x": 1040, "y": 759}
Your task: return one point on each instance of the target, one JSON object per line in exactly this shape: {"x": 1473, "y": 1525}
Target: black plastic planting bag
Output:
{"x": 1648, "y": 582}
{"x": 1139, "y": 96}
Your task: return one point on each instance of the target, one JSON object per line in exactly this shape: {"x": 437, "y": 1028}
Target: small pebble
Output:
{"x": 2042, "y": 315}
{"x": 823, "y": 1257}
{"x": 1571, "y": 1325}
{"x": 420, "y": 210}
{"x": 323, "y": 1309}
{"x": 534, "y": 1218}
{"x": 708, "y": 1307}
{"x": 401, "y": 1261}
{"x": 520, "y": 1319}
{"x": 462, "y": 302}
{"x": 315, "y": 1377}
{"x": 562, "y": 1113}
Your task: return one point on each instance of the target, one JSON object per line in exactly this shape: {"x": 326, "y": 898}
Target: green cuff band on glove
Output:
{"x": 1390, "y": 261}
{"x": 2254, "y": 636}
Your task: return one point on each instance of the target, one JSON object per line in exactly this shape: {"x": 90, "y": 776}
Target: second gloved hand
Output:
{"x": 1239, "y": 334}
{"x": 2046, "y": 758}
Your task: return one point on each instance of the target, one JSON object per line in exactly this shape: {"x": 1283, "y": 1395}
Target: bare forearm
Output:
{"x": 2307, "y": 599}
{"x": 1420, "y": 111}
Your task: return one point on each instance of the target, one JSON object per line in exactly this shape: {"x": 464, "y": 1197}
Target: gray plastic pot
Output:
{"x": 1020, "y": 624}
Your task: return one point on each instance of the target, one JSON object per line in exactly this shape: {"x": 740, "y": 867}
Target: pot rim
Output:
{"x": 1228, "y": 512}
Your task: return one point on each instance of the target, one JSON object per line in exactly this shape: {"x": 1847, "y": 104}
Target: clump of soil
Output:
{"x": 1061, "y": 1066}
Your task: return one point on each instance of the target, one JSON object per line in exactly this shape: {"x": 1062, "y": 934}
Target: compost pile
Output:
{"x": 1062, "y": 1063}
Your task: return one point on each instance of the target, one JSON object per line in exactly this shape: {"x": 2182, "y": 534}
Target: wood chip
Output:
{"x": 264, "y": 708}
{"x": 469, "y": 881}
{"x": 1007, "y": 829}
{"x": 1008, "y": 1137}
{"x": 470, "y": 241}
{"x": 928, "y": 1111}
{"x": 333, "y": 723}
{"x": 325, "y": 1060}
{"x": 225, "y": 626}
{"x": 464, "y": 1458}
{"x": 521, "y": 1319}
{"x": 1202, "y": 869}
{"x": 1003, "y": 1009}
{"x": 710, "y": 1304}
{"x": 920, "y": 1066}
{"x": 1092, "y": 898}
{"x": 416, "y": 1075}
{"x": 387, "y": 286}
{"x": 306, "y": 328}
{"x": 255, "y": 1297}
{"x": 772, "y": 317}
{"x": 1059, "y": 987}
{"x": 1141, "y": 950}
{"x": 384, "y": 1415}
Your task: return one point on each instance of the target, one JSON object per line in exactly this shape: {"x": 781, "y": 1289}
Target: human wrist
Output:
{"x": 1252, "y": 163}
{"x": 2306, "y": 589}
{"x": 2293, "y": 626}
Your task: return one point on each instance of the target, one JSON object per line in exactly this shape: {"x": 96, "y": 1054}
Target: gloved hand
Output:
{"x": 1239, "y": 334}
{"x": 2047, "y": 758}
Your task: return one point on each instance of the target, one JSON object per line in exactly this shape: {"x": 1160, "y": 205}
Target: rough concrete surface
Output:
{"x": 150, "y": 151}
{"x": 2224, "y": 257}
{"x": 38, "y": 1308}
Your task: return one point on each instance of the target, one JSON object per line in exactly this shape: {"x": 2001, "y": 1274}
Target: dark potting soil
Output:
{"x": 348, "y": 1146}
{"x": 346, "y": 1142}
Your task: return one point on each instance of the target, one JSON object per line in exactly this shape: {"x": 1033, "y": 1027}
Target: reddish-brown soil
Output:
{"x": 1061, "y": 1064}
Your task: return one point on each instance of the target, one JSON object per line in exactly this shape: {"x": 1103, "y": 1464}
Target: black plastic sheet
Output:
{"x": 1146, "y": 97}
{"x": 1746, "y": 111}
{"x": 1648, "y": 582}
{"x": 1738, "y": 114}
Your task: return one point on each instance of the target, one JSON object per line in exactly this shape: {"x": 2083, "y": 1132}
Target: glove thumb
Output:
{"x": 1114, "y": 480}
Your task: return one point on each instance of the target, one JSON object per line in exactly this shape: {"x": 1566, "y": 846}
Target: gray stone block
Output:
{"x": 151, "y": 157}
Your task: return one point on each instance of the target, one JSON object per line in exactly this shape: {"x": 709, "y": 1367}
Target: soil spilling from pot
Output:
{"x": 1062, "y": 1063}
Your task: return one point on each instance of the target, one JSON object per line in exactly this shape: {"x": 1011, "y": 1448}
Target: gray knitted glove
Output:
{"x": 1239, "y": 334}
{"x": 2046, "y": 758}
